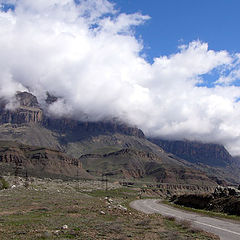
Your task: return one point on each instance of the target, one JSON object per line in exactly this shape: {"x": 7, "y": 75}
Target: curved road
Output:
{"x": 225, "y": 229}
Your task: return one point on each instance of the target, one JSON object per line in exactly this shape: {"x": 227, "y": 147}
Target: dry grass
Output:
{"x": 40, "y": 211}
{"x": 184, "y": 224}
{"x": 170, "y": 218}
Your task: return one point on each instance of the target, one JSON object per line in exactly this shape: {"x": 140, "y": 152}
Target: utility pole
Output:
{"x": 106, "y": 183}
{"x": 102, "y": 180}
{"x": 17, "y": 168}
{"x": 26, "y": 175}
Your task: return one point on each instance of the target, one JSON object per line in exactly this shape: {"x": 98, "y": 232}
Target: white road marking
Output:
{"x": 222, "y": 229}
{"x": 218, "y": 228}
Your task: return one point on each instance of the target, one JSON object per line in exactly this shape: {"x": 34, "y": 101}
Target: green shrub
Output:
{"x": 3, "y": 184}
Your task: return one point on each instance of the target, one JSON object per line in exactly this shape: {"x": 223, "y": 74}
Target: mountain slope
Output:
{"x": 38, "y": 161}
{"x": 145, "y": 166}
{"x": 29, "y": 124}
{"x": 214, "y": 159}
{"x": 195, "y": 152}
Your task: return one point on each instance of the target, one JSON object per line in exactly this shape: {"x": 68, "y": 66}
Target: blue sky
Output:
{"x": 175, "y": 22}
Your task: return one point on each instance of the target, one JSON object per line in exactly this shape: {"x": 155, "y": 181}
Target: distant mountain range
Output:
{"x": 195, "y": 152}
{"x": 211, "y": 158}
{"x": 106, "y": 147}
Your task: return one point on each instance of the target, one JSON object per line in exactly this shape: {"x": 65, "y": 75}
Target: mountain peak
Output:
{"x": 27, "y": 99}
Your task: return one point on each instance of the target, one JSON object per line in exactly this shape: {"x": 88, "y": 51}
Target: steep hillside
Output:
{"x": 145, "y": 166}
{"x": 23, "y": 159}
{"x": 29, "y": 124}
{"x": 213, "y": 159}
{"x": 195, "y": 152}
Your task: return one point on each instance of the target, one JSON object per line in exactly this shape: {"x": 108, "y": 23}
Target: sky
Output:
{"x": 175, "y": 22}
{"x": 170, "y": 67}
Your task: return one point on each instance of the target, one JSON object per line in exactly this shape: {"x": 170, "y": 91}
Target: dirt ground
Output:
{"x": 56, "y": 209}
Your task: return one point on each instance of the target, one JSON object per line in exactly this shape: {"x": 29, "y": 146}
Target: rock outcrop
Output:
{"x": 28, "y": 111}
{"x": 195, "y": 152}
{"x": 223, "y": 199}
{"x": 123, "y": 149}
{"x": 26, "y": 99}
{"x": 40, "y": 161}
{"x": 91, "y": 128}
{"x": 21, "y": 115}
{"x": 226, "y": 192}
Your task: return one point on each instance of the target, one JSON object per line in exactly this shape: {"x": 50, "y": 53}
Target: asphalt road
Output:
{"x": 225, "y": 229}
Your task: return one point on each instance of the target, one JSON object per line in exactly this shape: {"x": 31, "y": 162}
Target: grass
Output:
{"x": 119, "y": 192}
{"x": 181, "y": 229}
{"x": 203, "y": 212}
{"x": 40, "y": 211}
{"x": 3, "y": 183}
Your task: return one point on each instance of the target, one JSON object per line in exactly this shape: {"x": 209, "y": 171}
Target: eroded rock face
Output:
{"x": 40, "y": 160}
{"x": 224, "y": 199}
{"x": 196, "y": 152}
{"x": 74, "y": 137}
{"x": 199, "y": 201}
{"x": 226, "y": 192}
{"x": 50, "y": 98}
{"x": 29, "y": 111}
{"x": 21, "y": 115}
{"x": 94, "y": 128}
{"x": 26, "y": 99}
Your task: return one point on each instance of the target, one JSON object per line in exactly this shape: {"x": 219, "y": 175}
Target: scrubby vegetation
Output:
{"x": 223, "y": 200}
{"x": 56, "y": 209}
{"x": 3, "y": 184}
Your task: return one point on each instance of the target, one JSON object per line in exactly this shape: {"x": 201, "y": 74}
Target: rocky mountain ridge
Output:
{"x": 104, "y": 140}
{"x": 29, "y": 112}
{"x": 39, "y": 161}
{"x": 196, "y": 152}
{"x": 211, "y": 158}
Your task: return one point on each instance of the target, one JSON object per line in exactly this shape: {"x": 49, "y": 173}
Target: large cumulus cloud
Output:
{"x": 85, "y": 52}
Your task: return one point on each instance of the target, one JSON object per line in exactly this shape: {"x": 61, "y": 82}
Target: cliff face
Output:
{"x": 210, "y": 154}
{"x": 30, "y": 112}
{"x": 129, "y": 153}
{"x": 27, "y": 100}
{"x": 21, "y": 115}
{"x": 40, "y": 161}
{"x": 91, "y": 128}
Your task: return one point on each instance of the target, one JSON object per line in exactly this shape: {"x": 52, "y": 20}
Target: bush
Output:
{"x": 170, "y": 218}
{"x": 184, "y": 224}
{"x": 3, "y": 184}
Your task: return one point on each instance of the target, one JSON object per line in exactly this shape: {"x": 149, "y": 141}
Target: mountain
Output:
{"x": 136, "y": 164}
{"x": 214, "y": 159}
{"x": 29, "y": 124}
{"x": 210, "y": 154}
{"x": 38, "y": 161}
{"x": 106, "y": 146}
{"x": 27, "y": 110}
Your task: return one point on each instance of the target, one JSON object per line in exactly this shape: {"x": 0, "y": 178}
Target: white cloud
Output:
{"x": 231, "y": 74}
{"x": 88, "y": 55}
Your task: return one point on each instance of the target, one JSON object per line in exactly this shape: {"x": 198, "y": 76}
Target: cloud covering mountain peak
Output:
{"x": 86, "y": 53}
